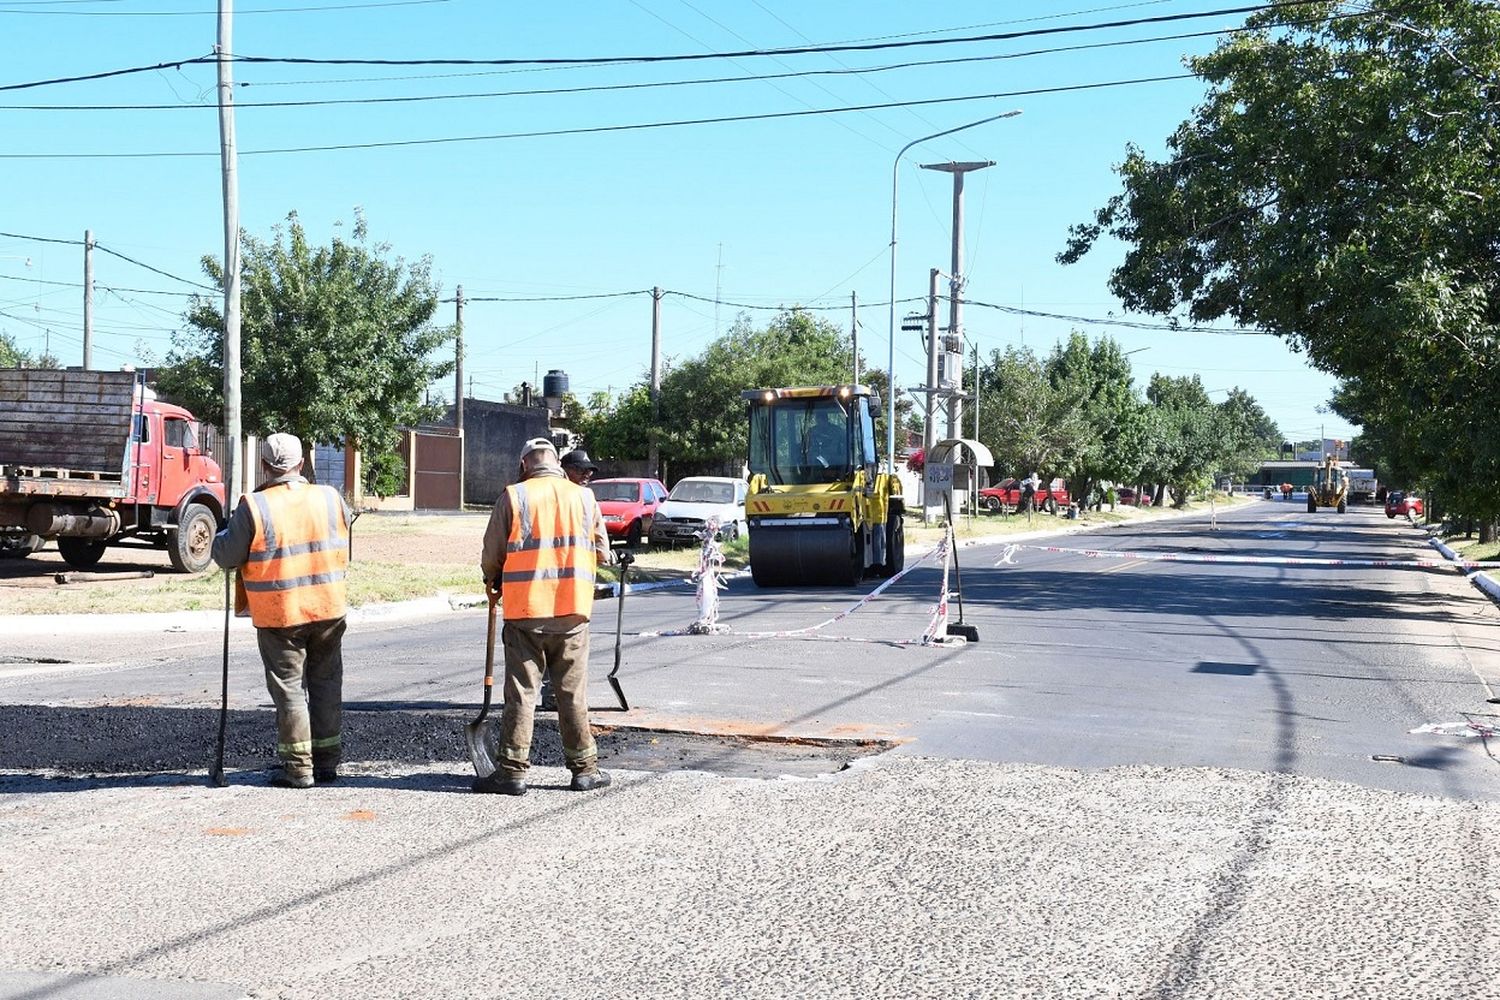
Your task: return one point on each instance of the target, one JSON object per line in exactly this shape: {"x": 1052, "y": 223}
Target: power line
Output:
{"x": 106, "y": 74}
{"x": 8, "y": 9}
{"x": 100, "y": 285}
{"x": 1130, "y": 324}
{"x": 785, "y": 50}
{"x": 154, "y": 270}
{"x": 601, "y": 129}
{"x": 616, "y": 87}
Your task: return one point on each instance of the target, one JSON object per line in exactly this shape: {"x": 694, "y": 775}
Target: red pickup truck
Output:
{"x": 93, "y": 459}
{"x": 1006, "y": 496}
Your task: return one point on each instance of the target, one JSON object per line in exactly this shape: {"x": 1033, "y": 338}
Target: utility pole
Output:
{"x": 88, "y": 299}
{"x": 653, "y": 448}
{"x": 234, "y": 472}
{"x": 718, "y": 287}
{"x": 929, "y": 419}
{"x": 953, "y": 342}
{"x": 458, "y": 359}
{"x": 854, "y": 331}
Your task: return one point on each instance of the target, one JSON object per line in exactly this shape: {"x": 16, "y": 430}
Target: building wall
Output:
{"x": 493, "y": 436}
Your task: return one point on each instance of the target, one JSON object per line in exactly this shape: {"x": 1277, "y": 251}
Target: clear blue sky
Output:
{"x": 796, "y": 209}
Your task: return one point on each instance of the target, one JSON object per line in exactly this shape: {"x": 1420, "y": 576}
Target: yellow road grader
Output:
{"x": 820, "y": 510}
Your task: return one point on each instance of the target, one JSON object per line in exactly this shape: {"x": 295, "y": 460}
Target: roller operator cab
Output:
{"x": 1329, "y": 489}
{"x": 820, "y": 510}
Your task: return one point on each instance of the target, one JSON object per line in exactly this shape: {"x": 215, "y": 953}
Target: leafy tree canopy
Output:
{"x": 13, "y": 355}
{"x": 1337, "y": 187}
{"x": 337, "y": 341}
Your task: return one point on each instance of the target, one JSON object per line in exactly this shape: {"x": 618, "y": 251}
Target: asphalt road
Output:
{"x": 1082, "y": 661}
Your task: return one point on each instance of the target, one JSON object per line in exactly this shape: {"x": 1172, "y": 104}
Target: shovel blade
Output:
{"x": 483, "y": 738}
{"x": 968, "y": 632}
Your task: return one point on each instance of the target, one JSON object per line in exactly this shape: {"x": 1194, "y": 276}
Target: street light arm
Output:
{"x": 890, "y": 366}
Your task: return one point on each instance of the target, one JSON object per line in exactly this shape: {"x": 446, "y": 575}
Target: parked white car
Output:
{"x": 693, "y": 501}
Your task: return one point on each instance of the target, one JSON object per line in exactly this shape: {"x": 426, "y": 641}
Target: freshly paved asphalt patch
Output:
{"x": 111, "y": 739}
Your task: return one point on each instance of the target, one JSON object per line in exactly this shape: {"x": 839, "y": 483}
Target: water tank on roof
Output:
{"x": 555, "y": 384}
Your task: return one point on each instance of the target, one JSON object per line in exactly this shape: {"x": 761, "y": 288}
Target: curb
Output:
{"x": 1485, "y": 583}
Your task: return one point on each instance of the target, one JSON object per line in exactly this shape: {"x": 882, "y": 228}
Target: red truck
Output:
{"x": 93, "y": 459}
{"x": 1006, "y": 495}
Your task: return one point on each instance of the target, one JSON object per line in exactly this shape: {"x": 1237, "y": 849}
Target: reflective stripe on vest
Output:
{"x": 549, "y": 556}
{"x": 299, "y": 556}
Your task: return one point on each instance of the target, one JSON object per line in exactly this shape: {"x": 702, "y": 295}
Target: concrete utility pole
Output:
{"x": 854, "y": 331}
{"x": 458, "y": 359}
{"x": 88, "y": 299}
{"x": 929, "y": 418}
{"x": 953, "y": 342}
{"x": 653, "y": 448}
{"x": 234, "y": 472}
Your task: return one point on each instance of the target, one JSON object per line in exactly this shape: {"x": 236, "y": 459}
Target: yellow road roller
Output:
{"x": 820, "y": 510}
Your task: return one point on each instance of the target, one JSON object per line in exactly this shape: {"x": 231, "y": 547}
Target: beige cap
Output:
{"x": 281, "y": 452}
{"x": 538, "y": 444}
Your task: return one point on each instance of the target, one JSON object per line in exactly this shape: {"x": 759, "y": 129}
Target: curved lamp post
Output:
{"x": 890, "y": 368}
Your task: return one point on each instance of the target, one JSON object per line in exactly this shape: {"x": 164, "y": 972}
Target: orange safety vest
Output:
{"x": 299, "y": 556}
{"x": 549, "y": 556}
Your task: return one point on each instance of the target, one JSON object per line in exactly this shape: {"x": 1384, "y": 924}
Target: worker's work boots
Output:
{"x": 499, "y": 783}
{"x": 587, "y": 781}
{"x": 285, "y": 779}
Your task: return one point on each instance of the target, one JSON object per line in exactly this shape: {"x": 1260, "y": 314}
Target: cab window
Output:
{"x": 178, "y": 434}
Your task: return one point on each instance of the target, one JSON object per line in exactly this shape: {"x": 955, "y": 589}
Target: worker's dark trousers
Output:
{"x": 305, "y": 676}
{"x": 564, "y": 658}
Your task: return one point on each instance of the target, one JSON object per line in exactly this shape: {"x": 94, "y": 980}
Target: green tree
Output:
{"x": 337, "y": 341}
{"x": 1250, "y": 435}
{"x": 13, "y": 355}
{"x": 1113, "y": 430}
{"x": 1029, "y": 423}
{"x": 1186, "y": 436}
{"x": 702, "y": 422}
{"x": 1337, "y": 188}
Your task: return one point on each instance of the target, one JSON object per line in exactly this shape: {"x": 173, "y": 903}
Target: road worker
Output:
{"x": 290, "y": 542}
{"x": 579, "y": 467}
{"x": 545, "y": 539}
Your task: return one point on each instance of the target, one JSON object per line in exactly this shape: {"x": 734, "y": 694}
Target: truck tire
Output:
{"x": 190, "y": 547}
{"x": 80, "y": 553}
{"x": 895, "y": 542}
{"x": 992, "y": 504}
{"x": 1051, "y": 506}
{"x": 633, "y": 535}
{"x": 1312, "y": 505}
{"x": 1343, "y": 506}
{"x": 20, "y": 546}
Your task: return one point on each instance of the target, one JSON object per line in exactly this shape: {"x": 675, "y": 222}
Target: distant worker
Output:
{"x": 545, "y": 539}
{"x": 290, "y": 541}
{"x": 828, "y": 441}
{"x": 579, "y": 467}
{"x": 1029, "y": 486}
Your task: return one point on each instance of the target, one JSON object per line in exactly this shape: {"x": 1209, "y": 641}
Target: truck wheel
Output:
{"x": 20, "y": 546}
{"x": 80, "y": 553}
{"x": 1343, "y": 506}
{"x": 895, "y": 542}
{"x": 190, "y": 546}
{"x": 992, "y": 504}
{"x": 1312, "y": 505}
{"x": 633, "y": 535}
{"x": 1051, "y": 506}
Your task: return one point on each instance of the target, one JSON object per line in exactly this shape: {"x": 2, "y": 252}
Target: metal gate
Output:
{"x": 437, "y": 472}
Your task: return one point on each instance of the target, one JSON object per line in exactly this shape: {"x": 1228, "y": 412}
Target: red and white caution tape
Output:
{"x": 1009, "y": 558}
{"x": 796, "y": 632}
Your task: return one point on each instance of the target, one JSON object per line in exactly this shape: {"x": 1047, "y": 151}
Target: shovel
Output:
{"x": 626, "y": 558}
{"x": 959, "y": 628}
{"x": 483, "y": 734}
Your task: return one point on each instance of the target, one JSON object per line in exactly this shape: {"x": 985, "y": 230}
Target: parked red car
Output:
{"x": 628, "y": 506}
{"x": 1402, "y": 504}
{"x": 1006, "y": 495}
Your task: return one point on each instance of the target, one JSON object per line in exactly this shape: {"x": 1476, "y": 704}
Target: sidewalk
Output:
{"x": 902, "y": 877}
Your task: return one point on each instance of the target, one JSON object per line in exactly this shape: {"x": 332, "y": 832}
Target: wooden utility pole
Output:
{"x": 458, "y": 360}
{"x": 88, "y": 299}
{"x": 653, "y": 451}
{"x": 929, "y": 419}
{"x": 234, "y": 473}
{"x": 854, "y": 331}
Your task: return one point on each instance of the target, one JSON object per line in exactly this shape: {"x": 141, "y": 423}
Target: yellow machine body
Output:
{"x": 820, "y": 510}
{"x": 1329, "y": 489}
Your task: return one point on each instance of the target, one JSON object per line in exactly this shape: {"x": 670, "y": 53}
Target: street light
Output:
{"x": 890, "y": 366}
